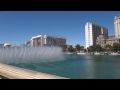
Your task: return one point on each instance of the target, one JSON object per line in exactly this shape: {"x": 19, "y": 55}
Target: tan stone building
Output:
{"x": 117, "y": 26}
{"x": 110, "y": 41}
{"x": 101, "y": 40}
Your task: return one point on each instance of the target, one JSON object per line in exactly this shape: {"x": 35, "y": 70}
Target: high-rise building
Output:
{"x": 117, "y": 26}
{"x": 92, "y": 31}
{"x": 47, "y": 40}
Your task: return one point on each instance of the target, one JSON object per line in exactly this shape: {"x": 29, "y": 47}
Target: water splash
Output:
{"x": 30, "y": 54}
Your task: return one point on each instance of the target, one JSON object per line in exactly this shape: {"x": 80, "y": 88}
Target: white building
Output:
{"x": 117, "y": 26}
{"x": 47, "y": 40}
{"x": 7, "y": 45}
{"x": 92, "y": 31}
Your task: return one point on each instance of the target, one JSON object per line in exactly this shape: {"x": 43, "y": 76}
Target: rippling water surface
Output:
{"x": 79, "y": 67}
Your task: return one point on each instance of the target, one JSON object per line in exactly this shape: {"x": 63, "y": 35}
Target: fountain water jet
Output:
{"x": 30, "y": 54}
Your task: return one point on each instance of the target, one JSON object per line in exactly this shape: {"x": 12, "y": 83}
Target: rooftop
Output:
{"x": 48, "y": 36}
{"x": 116, "y": 17}
{"x": 6, "y": 44}
{"x": 95, "y": 25}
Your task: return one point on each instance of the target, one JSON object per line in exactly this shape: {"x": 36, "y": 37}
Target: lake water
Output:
{"x": 79, "y": 67}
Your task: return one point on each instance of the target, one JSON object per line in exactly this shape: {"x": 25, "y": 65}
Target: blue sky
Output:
{"x": 16, "y": 27}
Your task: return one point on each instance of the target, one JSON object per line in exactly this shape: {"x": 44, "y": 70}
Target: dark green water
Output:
{"x": 80, "y": 67}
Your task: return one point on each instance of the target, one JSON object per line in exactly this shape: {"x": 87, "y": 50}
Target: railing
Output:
{"x": 12, "y": 72}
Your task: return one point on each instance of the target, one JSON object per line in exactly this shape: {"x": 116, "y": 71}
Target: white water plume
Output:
{"x": 30, "y": 54}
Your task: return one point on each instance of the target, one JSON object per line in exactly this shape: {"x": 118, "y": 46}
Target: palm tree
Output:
{"x": 78, "y": 48}
{"x": 82, "y": 48}
{"x": 70, "y": 49}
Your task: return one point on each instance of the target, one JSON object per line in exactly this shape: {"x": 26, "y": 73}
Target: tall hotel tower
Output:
{"x": 117, "y": 26}
{"x": 92, "y": 31}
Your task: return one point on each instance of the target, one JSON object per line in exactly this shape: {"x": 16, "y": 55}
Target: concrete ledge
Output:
{"x": 12, "y": 72}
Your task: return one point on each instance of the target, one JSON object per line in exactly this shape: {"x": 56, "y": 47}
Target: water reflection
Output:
{"x": 102, "y": 67}
{"x": 89, "y": 66}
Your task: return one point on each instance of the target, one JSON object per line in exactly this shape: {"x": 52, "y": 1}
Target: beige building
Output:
{"x": 47, "y": 40}
{"x": 117, "y": 26}
{"x": 101, "y": 40}
{"x": 110, "y": 41}
{"x": 113, "y": 40}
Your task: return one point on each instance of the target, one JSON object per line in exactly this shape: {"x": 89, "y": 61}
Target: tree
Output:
{"x": 85, "y": 50}
{"x": 108, "y": 47}
{"x": 98, "y": 48}
{"x": 78, "y": 48}
{"x": 91, "y": 49}
{"x": 74, "y": 50}
{"x": 116, "y": 47}
{"x": 82, "y": 48}
{"x": 70, "y": 49}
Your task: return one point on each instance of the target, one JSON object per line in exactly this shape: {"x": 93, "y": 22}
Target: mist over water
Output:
{"x": 30, "y": 54}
